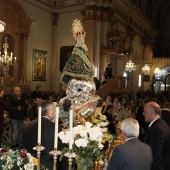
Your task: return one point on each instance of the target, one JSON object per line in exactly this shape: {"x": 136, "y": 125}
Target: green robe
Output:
{"x": 77, "y": 66}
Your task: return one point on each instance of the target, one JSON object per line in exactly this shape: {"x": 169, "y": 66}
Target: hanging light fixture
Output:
{"x": 6, "y": 60}
{"x": 146, "y": 70}
{"x": 157, "y": 70}
{"x": 130, "y": 66}
{"x": 2, "y": 26}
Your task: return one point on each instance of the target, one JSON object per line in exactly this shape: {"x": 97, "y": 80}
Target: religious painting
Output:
{"x": 65, "y": 52}
{"x": 39, "y": 65}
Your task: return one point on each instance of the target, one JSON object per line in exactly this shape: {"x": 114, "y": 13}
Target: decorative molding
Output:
{"x": 97, "y": 13}
{"x": 12, "y": 13}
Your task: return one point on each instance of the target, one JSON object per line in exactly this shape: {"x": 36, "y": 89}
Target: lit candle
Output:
{"x": 39, "y": 125}
{"x": 15, "y": 60}
{"x": 21, "y": 81}
{"x": 56, "y": 128}
{"x": 2, "y": 81}
{"x": 70, "y": 129}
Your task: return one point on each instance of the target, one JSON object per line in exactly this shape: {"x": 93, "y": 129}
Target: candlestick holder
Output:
{"x": 70, "y": 155}
{"x": 55, "y": 154}
{"x": 38, "y": 148}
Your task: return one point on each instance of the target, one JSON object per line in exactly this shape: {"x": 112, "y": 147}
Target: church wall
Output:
{"x": 39, "y": 38}
{"x": 65, "y": 38}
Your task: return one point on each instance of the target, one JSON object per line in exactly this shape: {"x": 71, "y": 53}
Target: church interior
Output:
{"x": 121, "y": 50}
{"x": 116, "y": 32}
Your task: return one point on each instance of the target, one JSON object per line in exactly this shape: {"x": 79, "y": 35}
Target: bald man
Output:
{"x": 16, "y": 107}
{"x": 158, "y": 136}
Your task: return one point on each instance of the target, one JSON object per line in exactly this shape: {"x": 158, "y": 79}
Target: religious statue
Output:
{"x": 78, "y": 77}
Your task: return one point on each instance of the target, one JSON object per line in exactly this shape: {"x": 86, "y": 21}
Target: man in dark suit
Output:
{"x": 158, "y": 136}
{"x": 108, "y": 114}
{"x": 30, "y": 134}
{"x": 133, "y": 154}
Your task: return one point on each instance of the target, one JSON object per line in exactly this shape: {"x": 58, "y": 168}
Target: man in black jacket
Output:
{"x": 16, "y": 107}
{"x": 108, "y": 114}
{"x": 158, "y": 136}
{"x": 30, "y": 133}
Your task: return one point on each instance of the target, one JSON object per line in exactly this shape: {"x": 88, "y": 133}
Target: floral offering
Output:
{"x": 87, "y": 144}
{"x": 17, "y": 160}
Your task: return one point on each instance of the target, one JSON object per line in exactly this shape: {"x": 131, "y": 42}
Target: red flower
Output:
{"x": 4, "y": 150}
{"x": 22, "y": 154}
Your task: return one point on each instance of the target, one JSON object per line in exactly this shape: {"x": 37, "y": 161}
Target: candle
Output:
{"x": 56, "y": 128}
{"x": 2, "y": 81}
{"x": 39, "y": 125}
{"x": 21, "y": 81}
{"x": 70, "y": 129}
{"x": 15, "y": 60}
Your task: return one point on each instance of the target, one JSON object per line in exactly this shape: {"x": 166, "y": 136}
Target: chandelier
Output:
{"x": 157, "y": 70}
{"x": 146, "y": 70}
{"x": 6, "y": 60}
{"x": 2, "y": 26}
{"x": 130, "y": 66}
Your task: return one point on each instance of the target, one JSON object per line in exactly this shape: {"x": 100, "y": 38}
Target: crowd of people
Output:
{"x": 144, "y": 124}
{"x": 145, "y": 127}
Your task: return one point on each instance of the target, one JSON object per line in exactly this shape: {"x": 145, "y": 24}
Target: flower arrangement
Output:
{"x": 102, "y": 122}
{"x": 17, "y": 160}
{"x": 87, "y": 144}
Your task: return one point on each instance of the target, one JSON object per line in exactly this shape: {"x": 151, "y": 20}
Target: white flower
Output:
{"x": 95, "y": 134}
{"x": 77, "y": 130}
{"x": 83, "y": 134}
{"x": 100, "y": 146}
{"x": 81, "y": 143}
{"x": 64, "y": 136}
{"x": 104, "y": 130}
{"x": 103, "y": 124}
{"x": 88, "y": 124}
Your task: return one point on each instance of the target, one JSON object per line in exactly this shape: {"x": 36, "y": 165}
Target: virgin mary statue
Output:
{"x": 78, "y": 76}
{"x": 78, "y": 65}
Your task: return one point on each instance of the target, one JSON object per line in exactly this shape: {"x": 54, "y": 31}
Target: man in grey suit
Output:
{"x": 133, "y": 154}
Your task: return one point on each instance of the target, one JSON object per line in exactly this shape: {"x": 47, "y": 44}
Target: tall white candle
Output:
{"x": 70, "y": 129}
{"x": 56, "y": 128}
{"x": 39, "y": 125}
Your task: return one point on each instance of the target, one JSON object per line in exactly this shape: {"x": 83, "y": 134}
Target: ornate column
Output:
{"x": 88, "y": 15}
{"x": 96, "y": 23}
{"x": 105, "y": 27}
{"x": 54, "y": 58}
